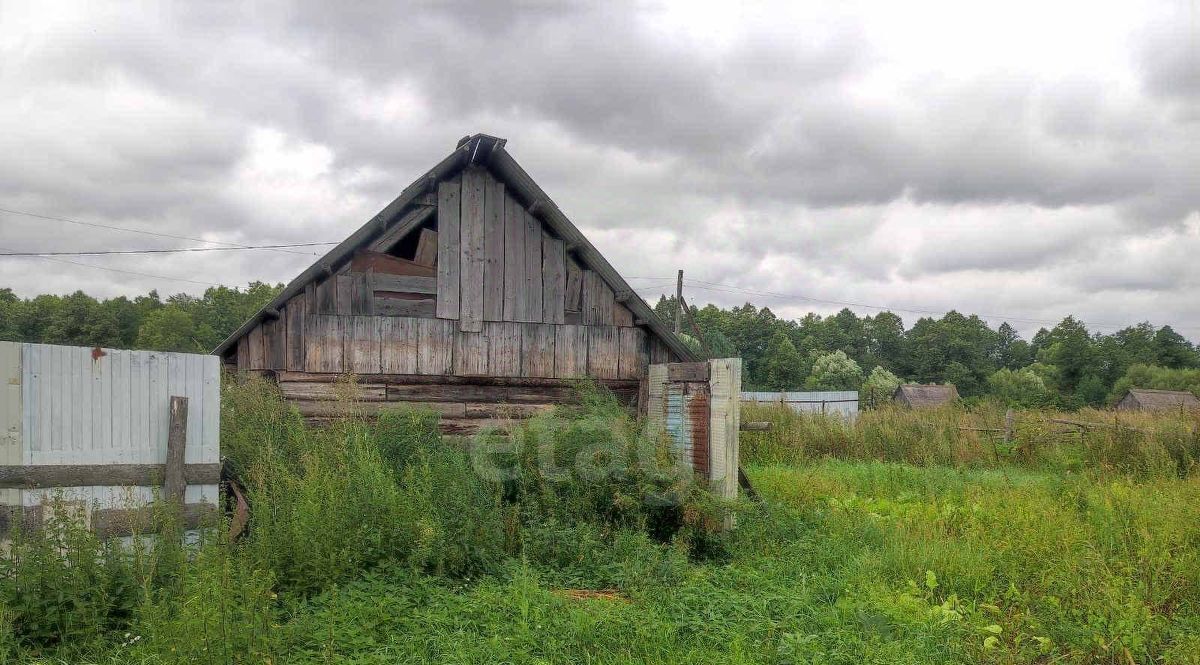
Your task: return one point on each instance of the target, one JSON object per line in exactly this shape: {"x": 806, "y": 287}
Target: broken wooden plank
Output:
{"x": 554, "y": 280}
{"x": 449, "y": 248}
{"x": 493, "y": 249}
{"x": 473, "y": 259}
{"x": 401, "y": 228}
{"x": 385, "y": 264}
{"x": 426, "y": 254}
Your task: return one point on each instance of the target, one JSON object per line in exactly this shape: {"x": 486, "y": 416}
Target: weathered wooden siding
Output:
{"x": 97, "y": 414}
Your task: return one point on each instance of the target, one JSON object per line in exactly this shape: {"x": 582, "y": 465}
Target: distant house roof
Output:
{"x": 919, "y": 396}
{"x": 1161, "y": 400}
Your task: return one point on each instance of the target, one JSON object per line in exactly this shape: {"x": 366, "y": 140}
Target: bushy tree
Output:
{"x": 879, "y": 386}
{"x": 834, "y": 371}
{"x": 1022, "y": 387}
{"x": 784, "y": 367}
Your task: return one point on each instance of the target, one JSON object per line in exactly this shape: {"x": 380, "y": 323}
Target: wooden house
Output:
{"x": 923, "y": 396}
{"x": 1145, "y": 399}
{"x": 470, "y": 293}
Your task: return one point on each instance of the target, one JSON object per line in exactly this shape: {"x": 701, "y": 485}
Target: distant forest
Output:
{"x": 1066, "y": 366}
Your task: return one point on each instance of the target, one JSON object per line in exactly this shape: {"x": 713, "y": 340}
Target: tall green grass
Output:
{"x": 1132, "y": 443}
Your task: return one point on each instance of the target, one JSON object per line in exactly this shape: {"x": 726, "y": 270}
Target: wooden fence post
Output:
{"x": 174, "y": 484}
{"x": 1009, "y": 417}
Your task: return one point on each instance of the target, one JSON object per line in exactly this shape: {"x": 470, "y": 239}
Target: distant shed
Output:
{"x": 920, "y": 396}
{"x": 1146, "y": 399}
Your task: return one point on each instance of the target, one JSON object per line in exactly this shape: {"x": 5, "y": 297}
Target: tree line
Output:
{"x": 1065, "y": 366}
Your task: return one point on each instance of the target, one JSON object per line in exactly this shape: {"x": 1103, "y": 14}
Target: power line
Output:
{"x": 109, "y": 252}
{"x": 118, "y": 270}
{"x": 129, "y": 230}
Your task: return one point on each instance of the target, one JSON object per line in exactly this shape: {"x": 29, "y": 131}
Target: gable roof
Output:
{"x": 927, "y": 395}
{"x": 487, "y": 151}
{"x": 1164, "y": 399}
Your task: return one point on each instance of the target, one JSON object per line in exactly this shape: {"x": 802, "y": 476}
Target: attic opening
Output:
{"x": 419, "y": 245}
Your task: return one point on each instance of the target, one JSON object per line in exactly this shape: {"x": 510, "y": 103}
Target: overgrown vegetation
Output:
{"x": 900, "y": 539}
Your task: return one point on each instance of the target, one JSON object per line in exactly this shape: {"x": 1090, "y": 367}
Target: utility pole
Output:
{"x": 679, "y": 303}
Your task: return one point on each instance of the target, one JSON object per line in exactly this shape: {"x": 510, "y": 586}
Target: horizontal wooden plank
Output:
{"x": 687, "y": 371}
{"x": 306, "y": 390}
{"x": 387, "y": 264}
{"x": 334, "y": 409}
{"x": 115, "y": 522}
{"x": 420, "y": 379}
{"x": 403, "y": 283}
{"x": 423, "y": 309}
{"x": 89, "y": 475}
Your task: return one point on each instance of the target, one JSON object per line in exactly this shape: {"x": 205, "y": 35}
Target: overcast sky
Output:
{"x": 1022, "y": 160}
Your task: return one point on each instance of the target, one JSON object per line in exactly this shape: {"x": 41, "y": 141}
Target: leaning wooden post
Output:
{"x": 174, "y": 482}
{"x": 1009, "y": 417}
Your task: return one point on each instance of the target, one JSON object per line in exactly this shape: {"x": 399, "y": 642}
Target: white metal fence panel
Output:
{"x": 842, "y": 403}
{"x": 92, "y": 407}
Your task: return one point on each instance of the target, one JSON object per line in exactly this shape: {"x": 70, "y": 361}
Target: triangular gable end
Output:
{"x": 474, "y": 240}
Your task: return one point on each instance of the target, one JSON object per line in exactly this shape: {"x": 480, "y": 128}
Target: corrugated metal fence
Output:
{"x": 91, "y": 424}
{"x": 833, "y": 402}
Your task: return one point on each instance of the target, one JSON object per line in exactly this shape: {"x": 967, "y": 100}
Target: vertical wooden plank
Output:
{"x": 533, "y": 268}
{"x": 324, "y": 344}
{"x": 470, "y": 353}
{"x": 598, "y": 300}
{"x": 363, "y": 345}
{"x": 426, "y": 254}
{"x": 398, "y": 344}
{"x": 515, "y": 297}
{"x": 603, "y": 348}
{"x": 295, "y": 311}
{"x": 570, "y": 351}
{"x": 362, "y": 297}
{"x": 493, "y": 250}
{"x": 472, "y": 248}
{"x": 243, "y": 353}
{"x": 554, "y": 280}
{"x": 326, "y": 291}
{"x": 449, "y": 243}
{"x": 725, "y": 385}
{"x": 632, "y": 357}
{"x": 621, "y": 315}
{"x": 344, "y": 300}
{"x": 659, "y": 353}
{"x": 274, "y": 354}
{"x": 435, "y": 346}
{"x": 573, "y": 300}
{"x": 537, "y": 350}
{"x": 257, "y": 356}
{"x": 173, "y": 482}
{"x": 504, "y": 348}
